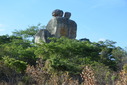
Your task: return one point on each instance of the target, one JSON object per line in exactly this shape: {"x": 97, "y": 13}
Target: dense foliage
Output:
{"x": 60, "y": 55}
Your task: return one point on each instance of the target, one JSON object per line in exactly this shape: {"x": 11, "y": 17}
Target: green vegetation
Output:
{"x": 61, "y": 57}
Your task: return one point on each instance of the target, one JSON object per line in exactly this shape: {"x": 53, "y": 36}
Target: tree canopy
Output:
{"x": 60, "y": 55}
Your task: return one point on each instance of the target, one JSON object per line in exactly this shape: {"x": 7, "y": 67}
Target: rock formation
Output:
{"x": 42, "y": 35}
{"x": 57, "y": 27}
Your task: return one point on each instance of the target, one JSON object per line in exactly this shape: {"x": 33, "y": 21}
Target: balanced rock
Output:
{"x": 67, "y": 15}
{"x": 57, "y": 12}
{"x": 62, "y": 26}
{"x": 57, "y": 27}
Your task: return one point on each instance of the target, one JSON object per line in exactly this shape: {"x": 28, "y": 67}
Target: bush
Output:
{"x": 8, "y": 74}
{"x": 103, "y": 74}
{"x": 68, "y": 55}
{"x": 18, "y": 65}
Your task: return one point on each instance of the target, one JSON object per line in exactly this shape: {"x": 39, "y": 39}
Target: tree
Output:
{"x": 111, "y": 55}
{"x": 68, "y": 54}
{"x": 120, "y": 56}
{"x": 29, "y": 32}
{"x": 18, "y": 48}
{"x": 7, "y": 39}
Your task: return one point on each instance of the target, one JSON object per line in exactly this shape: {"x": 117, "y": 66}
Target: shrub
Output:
{"x": 18, "y": 65}
{"x": 68, "y": 55}
{"x": 8, "y": 75}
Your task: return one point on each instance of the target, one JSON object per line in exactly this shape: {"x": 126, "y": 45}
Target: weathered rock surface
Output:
{"x": 67, "y": 15}
{"x": 57, "y": 12}
{"x": 42, "y": 35}
{"x": 57, "y": 27}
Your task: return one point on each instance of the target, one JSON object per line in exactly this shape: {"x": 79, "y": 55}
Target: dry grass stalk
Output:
{"x": 122, "y": 78}
{"x": 88, "y": 76}
{"x": 41, "y": 77}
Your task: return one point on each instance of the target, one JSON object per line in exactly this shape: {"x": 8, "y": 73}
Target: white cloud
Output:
{"x": 102, "y": 39}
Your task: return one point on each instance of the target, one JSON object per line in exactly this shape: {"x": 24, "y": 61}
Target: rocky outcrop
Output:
{"x": 57, "y": 27}
{"x": 42, "y": 35}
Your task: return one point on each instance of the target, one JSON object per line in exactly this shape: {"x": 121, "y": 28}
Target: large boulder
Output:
{"x": 42, "y": 35}
{"x": 57, "y": 13}
{"x": 62, "y": 26}
{"x": 67, "y": 15}
{"x": 72, "y": 29}
{"x": 57, "y": 27}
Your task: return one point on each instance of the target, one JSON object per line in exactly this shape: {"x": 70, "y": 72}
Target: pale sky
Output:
{"x": 96, "y": 19}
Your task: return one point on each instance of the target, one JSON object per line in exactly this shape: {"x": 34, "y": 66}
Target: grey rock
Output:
{"x": 72, "y": 29}
{"x": 57, "y": 27}
{"x": 84, "y": 39}
{"x": 60, "y": 26}
{"x": 67, "y": 15}
{"x": 42, "y": 35}
{"x": 57, "y": 12}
